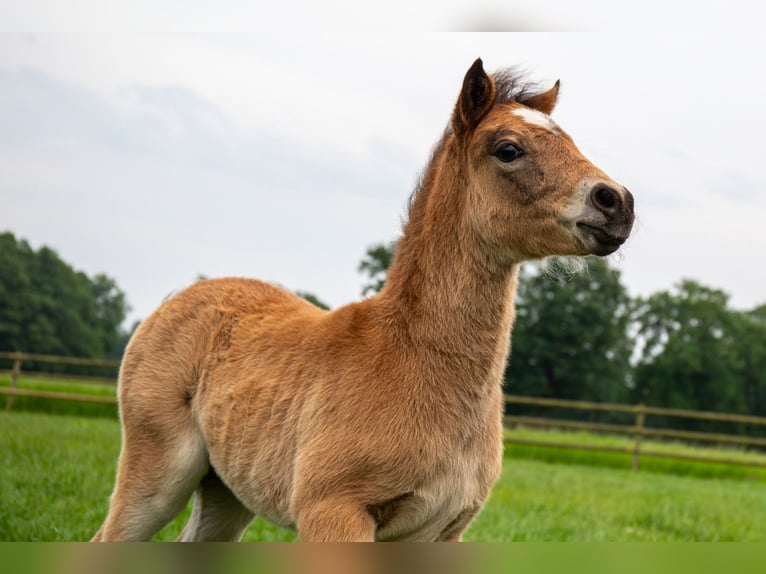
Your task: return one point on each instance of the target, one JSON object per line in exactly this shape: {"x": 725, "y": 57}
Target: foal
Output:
{"x": 381, "y": 420}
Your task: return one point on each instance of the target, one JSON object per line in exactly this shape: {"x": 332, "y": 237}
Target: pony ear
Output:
{"x": 476, "y": 97}
{"x": 544, "y": 102}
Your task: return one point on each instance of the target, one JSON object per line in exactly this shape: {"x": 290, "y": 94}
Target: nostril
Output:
{"x": 605, "y": 198}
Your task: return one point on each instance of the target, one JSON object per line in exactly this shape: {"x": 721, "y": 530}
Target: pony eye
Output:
{"x": 508, "y": 152}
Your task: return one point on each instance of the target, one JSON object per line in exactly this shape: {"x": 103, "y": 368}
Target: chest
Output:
{"x": 448, "y": 500}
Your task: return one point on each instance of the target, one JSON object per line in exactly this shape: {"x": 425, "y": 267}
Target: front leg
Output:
{"x": 334, "y": 520}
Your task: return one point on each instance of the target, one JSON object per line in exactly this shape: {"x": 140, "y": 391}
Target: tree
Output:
{"x": 570, "y": 338}
{"x": 110, "y": 310}
{"x": 376, "y": 262}
{"x": 750, "y": 360}
{"x": 14, "y": 283}
{"x": 48, "y": 307}
{"x": 697, "y": 353}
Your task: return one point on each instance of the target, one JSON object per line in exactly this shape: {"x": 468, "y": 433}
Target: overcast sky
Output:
{"x": 154, "y": 158}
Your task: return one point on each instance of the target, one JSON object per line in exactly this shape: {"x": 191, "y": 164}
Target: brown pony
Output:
{"x": 380, "y": 420}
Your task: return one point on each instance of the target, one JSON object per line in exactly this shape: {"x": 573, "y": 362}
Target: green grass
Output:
{"x": 56, "y": 473}
{"x": 538, "y": 501}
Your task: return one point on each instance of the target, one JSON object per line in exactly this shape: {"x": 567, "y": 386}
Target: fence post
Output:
{"x": 15, "y": 374}
{"x": 640, "y": 415}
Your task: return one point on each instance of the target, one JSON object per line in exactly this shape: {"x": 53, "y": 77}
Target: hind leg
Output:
{"x": 217, "y": 515}
{"x": 158, "y": 470}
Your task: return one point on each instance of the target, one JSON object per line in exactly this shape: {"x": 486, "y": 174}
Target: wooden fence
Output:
{"x": 16, "y": 372}
{"x": 638, "y": 430}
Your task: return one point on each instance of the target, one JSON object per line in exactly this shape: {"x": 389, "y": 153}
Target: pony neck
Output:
{"x": 443, "y": 288}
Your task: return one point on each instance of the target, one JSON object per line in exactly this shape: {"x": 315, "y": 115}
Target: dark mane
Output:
{"x": 412, "y": 225}
{"x": 426, "y": 176}
{"x": 511, "y": 85}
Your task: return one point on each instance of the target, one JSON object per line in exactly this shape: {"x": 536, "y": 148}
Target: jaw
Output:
{"x": 576, "y": 232}
{"x": 577, "y": 238}
{"x": 555, "y": 241}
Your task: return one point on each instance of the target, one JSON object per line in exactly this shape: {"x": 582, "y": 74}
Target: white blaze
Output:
{"x": 537, "y": 118}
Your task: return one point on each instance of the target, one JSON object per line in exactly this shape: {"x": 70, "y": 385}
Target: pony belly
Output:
{"x": 250, "y": 451}
{"x": 261, "y": 482}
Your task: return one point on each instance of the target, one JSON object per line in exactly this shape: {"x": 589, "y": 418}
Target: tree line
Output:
{"x": 578, "y": 334}
{"x": 46, "y": 307}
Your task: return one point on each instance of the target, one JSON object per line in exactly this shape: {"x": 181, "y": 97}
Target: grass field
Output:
{"x": 57, "y": 471}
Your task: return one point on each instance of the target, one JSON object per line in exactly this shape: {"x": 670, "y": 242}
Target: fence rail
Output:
{"x": 617, "y": 407}
{"x": 638, "y": 430}
{"x": 16, "y": 373}
{"x": 20, "y": 357}
{"x": 56, "y": 395}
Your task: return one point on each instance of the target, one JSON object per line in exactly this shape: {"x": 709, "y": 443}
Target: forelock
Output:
{"x": 512, "y": 85}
